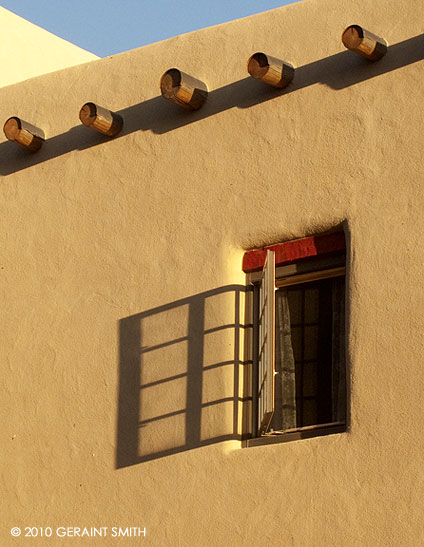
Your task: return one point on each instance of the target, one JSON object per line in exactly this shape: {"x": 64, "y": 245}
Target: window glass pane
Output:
{"x": 309, "y": 412}
{"x": 295, "y": 304}
{"x": 310, "y": 342}
{"x": 310, "y": 380}
{"x": 296, "y": 340}
{"x": 312, "y": 317}
{"x": 311, "y": 305}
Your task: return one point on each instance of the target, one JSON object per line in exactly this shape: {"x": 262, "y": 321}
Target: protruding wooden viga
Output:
{"x": 183, "y": 89}
{"x": 101, "y": 119}
{"x": 270, "y": 70}
{"x": 23, "y": 133}
{"x": 364, "y": 43}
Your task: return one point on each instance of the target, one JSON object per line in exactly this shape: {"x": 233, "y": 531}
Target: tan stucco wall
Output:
{"x": 114, "y": 248}
{"x": 27, "y": 50}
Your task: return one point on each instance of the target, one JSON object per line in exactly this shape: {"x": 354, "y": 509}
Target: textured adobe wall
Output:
{"x": 121, "y": 267}
{"x": 27, "y": 50}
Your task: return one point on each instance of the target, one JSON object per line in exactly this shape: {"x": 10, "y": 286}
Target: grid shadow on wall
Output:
{"x": 179, "y": 376}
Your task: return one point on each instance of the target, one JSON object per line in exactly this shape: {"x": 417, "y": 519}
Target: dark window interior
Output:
{"x": 310, "y": 384}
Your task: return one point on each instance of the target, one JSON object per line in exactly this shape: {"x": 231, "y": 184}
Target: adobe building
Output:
{"x": 212, "y": 321}
{"x": 27, "y": 51}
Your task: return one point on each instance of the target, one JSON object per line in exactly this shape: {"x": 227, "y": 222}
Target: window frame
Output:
{"x": 296, "y": 262}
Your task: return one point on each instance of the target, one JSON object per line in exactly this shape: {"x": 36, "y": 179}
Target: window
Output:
{"x": 299, "y": 380}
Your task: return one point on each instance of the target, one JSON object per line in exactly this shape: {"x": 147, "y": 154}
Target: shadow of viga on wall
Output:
{"x": 338, "y": 71}
{"x": 180, "y": 376}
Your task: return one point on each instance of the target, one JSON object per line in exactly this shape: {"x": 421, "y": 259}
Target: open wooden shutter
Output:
{"x": 266, "y": 360}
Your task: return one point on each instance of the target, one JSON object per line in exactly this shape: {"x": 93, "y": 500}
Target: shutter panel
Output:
{"x": 266, "y": 360}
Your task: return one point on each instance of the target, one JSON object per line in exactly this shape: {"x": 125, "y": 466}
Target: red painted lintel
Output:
{"x": 292, "y": 251}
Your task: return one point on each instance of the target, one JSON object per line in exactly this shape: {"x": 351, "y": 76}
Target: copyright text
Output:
{"x": 79, "y": 531}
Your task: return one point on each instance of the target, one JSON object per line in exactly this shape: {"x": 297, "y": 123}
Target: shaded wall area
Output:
{"x": 180, "y": 376}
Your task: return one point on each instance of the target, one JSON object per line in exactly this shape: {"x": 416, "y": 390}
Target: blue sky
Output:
{"x": 106, "y": 27}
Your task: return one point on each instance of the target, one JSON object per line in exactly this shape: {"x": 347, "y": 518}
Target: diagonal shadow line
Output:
{"x": 180, "y": 449}
{"x": 337, "y": 71}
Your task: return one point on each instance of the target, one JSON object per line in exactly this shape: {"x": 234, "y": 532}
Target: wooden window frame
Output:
{"x": 298, "y": 261}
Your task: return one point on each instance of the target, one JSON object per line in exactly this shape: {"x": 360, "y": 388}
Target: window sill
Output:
{"x": 297, "y": 434}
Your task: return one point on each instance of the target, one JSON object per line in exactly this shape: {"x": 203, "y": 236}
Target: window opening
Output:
{"x": 300, "y": 328}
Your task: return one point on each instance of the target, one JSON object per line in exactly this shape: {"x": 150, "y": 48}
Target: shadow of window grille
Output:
{"x": 179, "y": 376}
